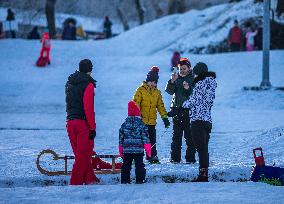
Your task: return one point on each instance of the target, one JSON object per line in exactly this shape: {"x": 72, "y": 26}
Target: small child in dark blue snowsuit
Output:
{"x": 133, "y": 139}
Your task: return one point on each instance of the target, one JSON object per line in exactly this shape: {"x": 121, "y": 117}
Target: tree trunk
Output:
{"x": 157, "y": 8}
{"x": 50, "y": 17}
{"x": 122, "y": 18}
{"x": 141, "y": 11}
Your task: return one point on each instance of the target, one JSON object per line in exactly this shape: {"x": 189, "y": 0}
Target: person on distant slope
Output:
{"x": 107, "y": 27}
{"x": 175, "y": 59}
{"x": 149, "y": 99}
{"x": 180, "y": 86}
{"x": 81, "y": 125}
{"x": 200, "y": 104}
{"x": 34, "y": 35}
{"x": 11, "y": 20}
{"x": 46, "y": 46}
{"x": 235, "y": 37}
{"x": 133, "y": 139}
{"x": 69, "y": 31}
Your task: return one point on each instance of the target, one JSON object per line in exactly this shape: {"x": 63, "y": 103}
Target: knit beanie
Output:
{"x": 85, "y": 66}
{"x": 153, "y": 74}
{"x": 133, "y": 109}
{"x": 184, "y": 61}
{"x": 200, "y": 68}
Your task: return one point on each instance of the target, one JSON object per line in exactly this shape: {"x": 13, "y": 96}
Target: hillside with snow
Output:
{"x": 32, "y": 118}
{"x": 87, "y": 23}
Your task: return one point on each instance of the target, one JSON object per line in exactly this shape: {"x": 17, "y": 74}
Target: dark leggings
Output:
{"x": 200, "y": 131}
{"x": 140, "y": 170}
{"x": 152, "y": 136}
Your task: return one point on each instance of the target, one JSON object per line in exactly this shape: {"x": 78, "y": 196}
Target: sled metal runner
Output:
{"x": 56, "y": 157}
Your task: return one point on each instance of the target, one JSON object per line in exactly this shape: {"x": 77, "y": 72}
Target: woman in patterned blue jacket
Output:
{"x": 133, "y": 139}
{"x": 200, "y": 103}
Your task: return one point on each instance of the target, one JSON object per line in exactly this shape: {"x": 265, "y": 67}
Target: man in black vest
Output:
{"x": 81, "y": 126}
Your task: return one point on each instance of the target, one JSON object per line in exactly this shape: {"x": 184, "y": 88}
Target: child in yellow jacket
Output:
{"x": 149, "y": 99}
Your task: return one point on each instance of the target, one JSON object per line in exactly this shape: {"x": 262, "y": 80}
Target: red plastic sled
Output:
{"x": 41, "y": 62}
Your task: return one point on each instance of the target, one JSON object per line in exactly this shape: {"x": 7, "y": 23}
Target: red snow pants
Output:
{"x": 82, "y": 172}
{"x": 45, "y": 50}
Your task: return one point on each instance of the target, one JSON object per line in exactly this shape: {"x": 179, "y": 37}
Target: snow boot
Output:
{"x": 174, "y": 162}
{"x": 190, "y": 162}
{"x": 203, "y": 175}
{"x": 154, "y": 160}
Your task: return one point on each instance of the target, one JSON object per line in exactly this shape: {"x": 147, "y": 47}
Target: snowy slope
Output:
{"x": 184, "y": 32}
{"x": 33, "y": 99}
{"x": 88, "y": 23}
{"x": 148, "y": 193}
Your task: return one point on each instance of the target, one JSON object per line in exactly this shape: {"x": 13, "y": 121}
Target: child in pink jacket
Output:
{"x": 250, "y": 39}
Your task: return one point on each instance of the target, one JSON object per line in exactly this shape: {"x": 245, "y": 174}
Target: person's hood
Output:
{"x": 203, "y": 76}
{"x": 132, "y": 122}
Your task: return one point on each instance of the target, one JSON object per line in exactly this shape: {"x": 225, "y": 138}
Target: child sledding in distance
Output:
{"x": 45, "y": 50}
{"x": 133, "y": 139}
{"x": 46, "y": 45}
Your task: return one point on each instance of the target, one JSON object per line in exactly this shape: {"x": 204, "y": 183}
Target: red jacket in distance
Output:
{"x": 175, "y": 59}
{"x": 45, "y": 40}
{"x": 235, "y": 35}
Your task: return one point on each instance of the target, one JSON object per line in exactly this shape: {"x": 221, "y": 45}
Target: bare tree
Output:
{"x": 141, "y": 11}
{"x": 122, "y": 16}
{"x": 50, "y": 17}
{"x": 157, "y": 8}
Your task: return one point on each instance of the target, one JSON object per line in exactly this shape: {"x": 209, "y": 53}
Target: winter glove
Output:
{"x": 92, "y": 134}
{"x": 173, "y": 112}
{"x": 120, "y": 148}
{"x": 166, "y": 122}
{"x": 148, "y": 150}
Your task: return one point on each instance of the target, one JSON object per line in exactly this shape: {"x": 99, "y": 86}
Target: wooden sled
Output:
{"x": 115, "y": 168}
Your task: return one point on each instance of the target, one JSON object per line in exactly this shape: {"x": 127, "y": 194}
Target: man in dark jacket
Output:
{"x": 69, "y": 32}
{"x": 180, "y": 86}
{"x": 81, "y": 126}
{"x": 200, "y": 104}
{"x": 107, "y": 27}
{"x": 11, "y": 20}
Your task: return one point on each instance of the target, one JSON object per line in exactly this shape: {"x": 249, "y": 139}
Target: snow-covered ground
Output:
{"x": 32, "y": 118}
